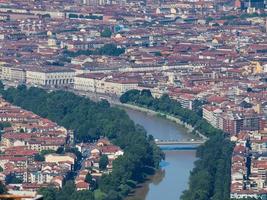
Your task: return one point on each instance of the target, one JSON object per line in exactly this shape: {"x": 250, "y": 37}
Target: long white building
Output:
{"x": 102, "y": 83}
{"x": 52, "y": 76}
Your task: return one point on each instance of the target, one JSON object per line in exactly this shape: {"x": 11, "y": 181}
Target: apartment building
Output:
{"x": 213, "y": 115}
{"x": 234, "y": 122}
{"x": 13, "y": 74}
{"x": 186, "y": 100}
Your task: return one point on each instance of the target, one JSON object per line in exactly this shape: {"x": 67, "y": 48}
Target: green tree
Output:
{"x": 110, "y": 50}
{"x": 39, "y": 157}
{"x": 73, "y": 16}
{"x": 67, "y": 191}
{"x": 103, "y": 162}
{"x": 99, "y": 195}
{"x": 60, "y": 150}
{"x": 49, "y": 193}
{"x": 1, "y": 86}
{"x": 106, "y": 32}
{"x": 88, "y": 178}
{"x": 210, "y": 178}
{"x": 4, "y": 125}
{"x": 12, "y": 179}
{"x": 48, "y": 151}
{"x": 90, "y": 121}
{"x": 83, "y": 195}
{"x": 3, "y": 189}
{"x": 113, "y": 195}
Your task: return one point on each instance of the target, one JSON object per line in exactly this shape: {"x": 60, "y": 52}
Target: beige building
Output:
{"x": 57, "y": 158}
{"x": 13, "y": 74}
{"x": 101, "y": 83}
{"x": 213, "y": 115}
{"x": 55, "y": 76}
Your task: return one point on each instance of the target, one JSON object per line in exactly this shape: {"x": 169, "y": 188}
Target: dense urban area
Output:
{"x": 203, "y": 62}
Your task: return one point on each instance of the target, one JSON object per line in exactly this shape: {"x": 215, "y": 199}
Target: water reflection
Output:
{"x": 163, "y": 164}
{"x": 142, "y": 190}
{"x": 158, "y": 177}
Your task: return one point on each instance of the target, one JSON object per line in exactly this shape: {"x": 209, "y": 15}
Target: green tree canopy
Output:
{"x": 210, "y": 179}
{"x": 103, "y": 162}
{"x": 91, "y": 120}
{"x": 106, "y": 32}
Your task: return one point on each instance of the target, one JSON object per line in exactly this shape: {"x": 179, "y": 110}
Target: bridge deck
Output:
{"x": 177, "y": 142}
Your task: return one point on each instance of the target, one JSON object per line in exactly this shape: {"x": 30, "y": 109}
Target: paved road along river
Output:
{"x": 172, "y": 179}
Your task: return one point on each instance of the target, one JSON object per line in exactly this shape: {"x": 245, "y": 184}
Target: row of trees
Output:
{"x": 166, "y": 105}
{"x": 90, "y": 16}
{"x": 108, "y": 50}
{"x": 68, "y": 192}
{"x": 210, "y": 179}
{"x": 2, "y": 126}
{"x": 90, "y": 121}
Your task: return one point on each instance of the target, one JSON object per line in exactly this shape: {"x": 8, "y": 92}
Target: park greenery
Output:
{"x": 2, "y": 126}
{"x": 107, "y": 50}
{"x": 12, "y": 179}
{"x": 90, "y": 16}
{"x": 103, "y": 162}
{"x": 231, "y": 18}
{"x": 3, "y": 189}
{"x": 90, "y": 121}
{"x": 210, "y": 179}
{"x": 68, "y": 192}
{"x": 106, "y": 33}
{"x": 166, "y": 105}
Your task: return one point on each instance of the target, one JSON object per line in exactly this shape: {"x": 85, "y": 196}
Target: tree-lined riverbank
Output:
{"x": 210, "y": 179}
{"x": 172, "y": 179}
{"x": 91, "y": 120}
{"x": 188, "y": 127}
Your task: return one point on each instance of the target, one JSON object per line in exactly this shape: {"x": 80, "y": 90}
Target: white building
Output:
{"x": 101, "y": 83}
{"x": 244, "y": 195}
{"x": 53, "y": 76}
{"x": 186, "y": 100}
{"x": 13, "y": 74}
{"x": 213, "y": 115}
{"x": 56, "y": 158}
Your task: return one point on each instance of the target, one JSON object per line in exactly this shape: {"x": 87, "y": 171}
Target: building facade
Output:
{"x": 50, "y": 77}
{"x": 99, "y": 83}
{"x": 13, "y": 74}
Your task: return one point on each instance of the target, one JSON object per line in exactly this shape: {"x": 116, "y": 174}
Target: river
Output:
{"x": 172, "y": 179}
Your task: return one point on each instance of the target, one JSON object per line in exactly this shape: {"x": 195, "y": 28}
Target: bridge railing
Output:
{"x": 168, "y": 142}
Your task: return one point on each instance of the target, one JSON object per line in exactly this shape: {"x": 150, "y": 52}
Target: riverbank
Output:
{"x": 172, "y": 178}
{"x": 170, "y": 181}
{"x": 141, "y": 191}
{"x": 188, "y": 127}
{"x": 212, "y": 171}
